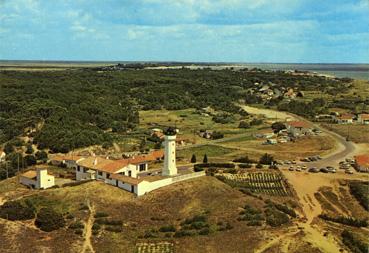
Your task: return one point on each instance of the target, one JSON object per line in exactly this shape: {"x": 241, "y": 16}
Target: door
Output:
{"x": 116, "y": 183}
{"x": 129, "y": 173}
{"x": 132, "y": 188}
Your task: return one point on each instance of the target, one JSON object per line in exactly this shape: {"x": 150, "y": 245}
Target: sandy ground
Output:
{"x": 270, "y": 114}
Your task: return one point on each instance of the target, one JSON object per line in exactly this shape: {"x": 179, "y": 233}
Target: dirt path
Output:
{"x": 275, "y": 241}
{"x": 87, "y": 245}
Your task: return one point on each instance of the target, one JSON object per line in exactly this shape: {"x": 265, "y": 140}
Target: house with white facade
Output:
{"x": 298, "y": 128}
{"x": 363, "y": 119}
{"x": 345, "y": 119}
{"x": 38, "y": 179}
{"x": 132, "y": 174}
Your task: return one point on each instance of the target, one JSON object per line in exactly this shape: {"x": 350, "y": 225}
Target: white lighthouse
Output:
{"x": 170, "y": 168}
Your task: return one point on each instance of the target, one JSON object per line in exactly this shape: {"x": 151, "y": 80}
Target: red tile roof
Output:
{"x": 299, "y": 124}
{"x": 364, "y": 116}
{"x": 346, "y": 116}
{"x": 362, "y": 160}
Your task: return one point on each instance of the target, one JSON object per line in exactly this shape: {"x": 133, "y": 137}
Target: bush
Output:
{"x": 275, "y": 218}
{"x": 245, "y": 166}
{"x": 360, "y": 192}
{"x": 244, "y": 159}
{"x": 193, "y": 158}
{"x": 350, "y": 221}
{"x": 168, "y": 228}
{"x": 114, "y": 229}
{"x": 78, "y": 232}
{"x": 77, "y": 225}
{"x": 256, "y": 122}
{"x": 48, "y": 220}
{"x": 244, "y": 124}
{"x": 17, "y": 210}
{"x": 259, "y": 166}
{"x": 182, "y": 233}
{"x": 254, "y": 223}
{"x": 266, "y": 159}
{"x": 101, "y": 215}
{"x": 96, "y": 226}
{"x": 355, "y": 245}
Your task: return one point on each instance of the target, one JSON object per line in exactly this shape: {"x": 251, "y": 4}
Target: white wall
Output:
{"x": 27, "y": 181}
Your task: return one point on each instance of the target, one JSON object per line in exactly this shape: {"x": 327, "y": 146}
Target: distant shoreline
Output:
{"x": 358, "y": 71}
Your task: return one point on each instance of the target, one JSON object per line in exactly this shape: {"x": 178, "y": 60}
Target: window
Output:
{"x": 142, "y": 167}
{"x": 100, "y": 173}
{"x": 107, "y": 175}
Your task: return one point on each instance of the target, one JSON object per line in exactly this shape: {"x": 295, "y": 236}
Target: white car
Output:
{"x": 349, "y": 171}
{"x": 291, "y": 169}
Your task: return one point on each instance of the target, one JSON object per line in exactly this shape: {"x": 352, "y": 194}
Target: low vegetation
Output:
{"x": 353, "y": 243}
{"x": 350, "y": 221}
{"x": 48, "y": 219}
{"x": 360, "y": 191}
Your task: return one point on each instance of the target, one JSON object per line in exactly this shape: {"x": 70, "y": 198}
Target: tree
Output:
{"x": 266, "y": 159}
{"x": 278, "y": 126}
{"x": 205, "y": 160}
{"x": 193, "y": 158}
{"x": 30, "y": 160}
{"x": 29, "y": 149}
{"x": 41, "y": 155}
{"x": 8, "y": 148}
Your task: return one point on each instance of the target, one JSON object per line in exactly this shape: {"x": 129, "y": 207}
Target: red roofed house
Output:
{"x": 363, "y": 119}
{"x": 298, "y": 128}
{"x": 345, "y": 119}
{"x": 362, "y": 163}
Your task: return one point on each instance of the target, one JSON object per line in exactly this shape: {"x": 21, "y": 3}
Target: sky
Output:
{"x": 281, "y": 31}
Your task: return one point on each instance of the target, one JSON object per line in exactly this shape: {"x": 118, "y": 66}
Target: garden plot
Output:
{"x": 269, "y": 183}
{"x": 155, "y": 247}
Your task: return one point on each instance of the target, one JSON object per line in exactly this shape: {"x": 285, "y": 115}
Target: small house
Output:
{"x": 38, "y": 179}
{"x": 363, "y": 119}
{"x": 298, "y": 128}
{"x": 345, "y": 119}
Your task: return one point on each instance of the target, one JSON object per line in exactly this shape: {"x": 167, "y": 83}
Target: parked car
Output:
{"x": 331, "y": 169}
{"x": 287, "y": 162}
{"x": 349, "y": 171}
{"x": 305, "y": 160}
{"x": 298, "y": 169}
{"x": 304, "y": 167}
{"x": 324, "y": 170}
{"x": 313, "y": 170}
{"x": 291, "y": 168}
{"x": 293, "y": 162}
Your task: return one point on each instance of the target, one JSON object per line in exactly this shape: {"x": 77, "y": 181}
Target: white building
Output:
{"x": 298, "y": 128}
{"x": 2, "y": 156}
{"x": 39, "y": 179}
{"x": 170, "y": 168}
{"x": 345, "y": 119}
{"x": 363, "y": 119}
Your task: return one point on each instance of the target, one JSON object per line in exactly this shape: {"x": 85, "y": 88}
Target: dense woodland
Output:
{"x": 74, "y": 108}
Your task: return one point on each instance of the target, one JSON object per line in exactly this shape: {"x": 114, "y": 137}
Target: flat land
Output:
{"x": 356, "y": 133}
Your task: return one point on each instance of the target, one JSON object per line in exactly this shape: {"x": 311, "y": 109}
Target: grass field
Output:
{"x": 189, "y": 123}
{"x": 357, "y": 133}
{"x": 209, "y": 150}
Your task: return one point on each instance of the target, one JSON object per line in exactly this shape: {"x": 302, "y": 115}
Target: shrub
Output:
{"x": 114, "y": 229}
{"x": 77, "y": 225}
{"x": 259, "y": 166}
{"x": 275, "y": 218}
{"x": 205, "y": 160}
{"x": 78, "y": 232}
{"x": 350, "y": 221}
{"x": 360, "y": 192}
{"x": 353, "y": 243}
{"x": 244, "y": 159}
{"x": 204, "y": 231}
{"x": 48, "y": 219}
{"x": 168, "y": 228}
{"x": 266, "y": 159}
{"x": 96, "y": 226}
{"x": 182, "y": 233}
{"x": 245, "y": 166}
{"x": 244, "y": 124}
{"x": 101, "y": 215}
{"x": 17, "y": 210}
{"x": 254, "y": 223}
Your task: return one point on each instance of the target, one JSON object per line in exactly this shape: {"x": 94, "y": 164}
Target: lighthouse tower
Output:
{"x": 170, "y": 168}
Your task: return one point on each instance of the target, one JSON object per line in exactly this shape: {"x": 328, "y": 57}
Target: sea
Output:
{"x": 354, "y": 71}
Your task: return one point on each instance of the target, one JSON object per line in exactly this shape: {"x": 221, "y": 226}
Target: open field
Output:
{"x": 189, "y": 122}
{"x": 356, "y": 133}
{"x": 212, "y": 151}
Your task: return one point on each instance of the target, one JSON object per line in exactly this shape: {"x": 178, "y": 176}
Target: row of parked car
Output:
{"x": 328, "y": 169}
{"x": 311, "y": 158}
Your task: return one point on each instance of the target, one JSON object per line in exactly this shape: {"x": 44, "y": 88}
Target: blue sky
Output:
{"x": 327, "y": 31}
